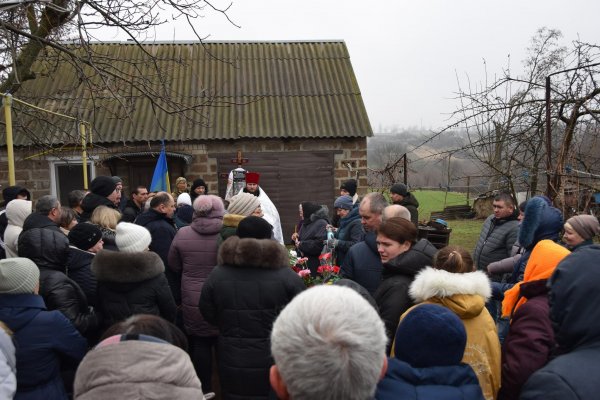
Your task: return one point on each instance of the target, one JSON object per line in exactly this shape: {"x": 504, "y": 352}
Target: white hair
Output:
{"x": 329, "y": 343}
{"x": 395, "y": 210}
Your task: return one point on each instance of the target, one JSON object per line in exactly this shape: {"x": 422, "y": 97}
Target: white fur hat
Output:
{"x": 132, "y": 238}
{"x": 184, "y": 198}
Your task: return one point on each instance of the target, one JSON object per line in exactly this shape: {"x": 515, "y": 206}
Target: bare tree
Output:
{"x": 505, "y": 117}
{"x": 38, "y": 37}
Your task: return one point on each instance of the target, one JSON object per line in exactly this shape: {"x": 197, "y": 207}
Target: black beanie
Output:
{"x": 349, "y": 186}
{"x": 199, "y": 182}
{"x": 254, "y": 227}
{"x": 85, "y": 235}
{"x": 103, "y": 186}
{"x": 309, "y": 209}
{"x": 10, "y": 193}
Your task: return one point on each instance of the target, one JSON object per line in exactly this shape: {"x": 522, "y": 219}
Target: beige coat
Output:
{"x": 465, "y": 295}
{"x": 136, "y": 370}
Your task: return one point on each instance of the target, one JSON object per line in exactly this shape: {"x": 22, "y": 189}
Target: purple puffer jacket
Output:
{"x": 530, "y": 340}
{"x": 194, "y": 252}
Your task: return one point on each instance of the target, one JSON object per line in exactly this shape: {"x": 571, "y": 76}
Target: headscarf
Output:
{"x": 541, "y": 264}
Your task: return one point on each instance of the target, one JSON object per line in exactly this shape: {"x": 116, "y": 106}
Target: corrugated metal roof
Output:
{"x": 251, "y": 90}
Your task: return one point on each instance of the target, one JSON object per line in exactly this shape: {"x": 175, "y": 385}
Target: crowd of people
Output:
{"x": 185, "y": 295}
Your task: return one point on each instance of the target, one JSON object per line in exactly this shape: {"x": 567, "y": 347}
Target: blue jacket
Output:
{"x": 41, "y": 338}
{"x": 348, "y": 234}
{"x": 362, "y": 263}
{"x": 162, "y": 230}
{"x": 402, "y": 381}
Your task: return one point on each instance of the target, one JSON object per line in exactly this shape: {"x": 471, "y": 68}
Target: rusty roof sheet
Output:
{"x": 304, "y": 89}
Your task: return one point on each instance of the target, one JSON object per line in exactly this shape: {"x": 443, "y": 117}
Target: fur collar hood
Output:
{"x": 253, "y": 253}
{"x": 114, "y": 266}
{"x": 321, "y": 213}
{"x": 432, "y": 282}
{"x": 542, "y": 221}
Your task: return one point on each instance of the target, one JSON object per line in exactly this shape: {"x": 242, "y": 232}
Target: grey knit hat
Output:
{"x": 243, "y": 204}
{"x": 132, "y": 238}
{"x": 586, "y": 226}
{"x": 399, "y": 188}
{"x": 18, "y": 276}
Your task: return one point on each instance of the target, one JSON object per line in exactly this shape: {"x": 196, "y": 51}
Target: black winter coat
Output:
{"x": 363, "y": 264}
{"x": 243, "y": 296}
{"x": 412, "y": 205}
{"x": 130, "y": 212}
{"x": 109, "y": 238}
{"x": 132, "y": 283}
{"x": 37, "y": 220}
{"x": 162, "y": 230}
{"x": 392, "y": 295}
{"x": 48, "y": 248}
{"x": 79, "y": 269}
{"x": 89, "y": 204}
{"x": 311, "y": 237}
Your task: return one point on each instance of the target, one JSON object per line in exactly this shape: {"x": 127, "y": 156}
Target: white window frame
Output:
{"x": 55, "y": 161}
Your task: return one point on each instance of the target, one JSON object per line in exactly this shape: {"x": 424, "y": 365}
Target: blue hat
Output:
{"x": 344, "y": 202}
{"x": 430, "y": 336}
{"x": 542, "y": 221}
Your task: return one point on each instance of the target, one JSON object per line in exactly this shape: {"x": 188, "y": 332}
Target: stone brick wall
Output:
{"x": 35, "y": 174}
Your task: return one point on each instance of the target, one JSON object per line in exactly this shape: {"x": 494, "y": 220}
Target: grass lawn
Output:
{"x": 436, "y": 200}
{"x": 464, "y": 232}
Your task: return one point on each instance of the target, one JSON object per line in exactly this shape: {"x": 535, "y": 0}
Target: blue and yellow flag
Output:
{"x": 160, "y": 179}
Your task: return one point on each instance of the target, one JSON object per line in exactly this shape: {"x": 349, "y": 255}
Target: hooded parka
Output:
{"x": 16, "y": 213}
{"x": 132, "y": 283}
{"x": 465, "y": 295}
{"x": 312, "y": 235}
{"x": 574, "y": 313}
{"x": 243, "y": 296}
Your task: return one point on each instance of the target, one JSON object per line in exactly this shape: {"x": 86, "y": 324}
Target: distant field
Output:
{"x": 436, "y": 200}
{"x": 464, "y": 232}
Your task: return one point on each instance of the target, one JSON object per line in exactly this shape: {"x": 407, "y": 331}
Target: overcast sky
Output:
{"x": 406, "y": 55}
